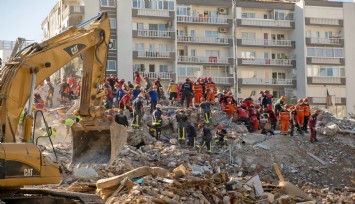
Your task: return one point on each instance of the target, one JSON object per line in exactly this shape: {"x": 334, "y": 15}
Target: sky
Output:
{"x": 23, "y": 18}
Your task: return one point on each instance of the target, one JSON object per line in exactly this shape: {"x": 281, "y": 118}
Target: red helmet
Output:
{"x": 300, "y": 101}
{"x": 219, "y": 127}
{"x": 305, "y": 100}
{"x": 111, "y": 111}
{"x": 257, "y": 106}
{"x": 241, "y": 101}
{"x": 187, "y": 79}
{"x": 244, "y": 105}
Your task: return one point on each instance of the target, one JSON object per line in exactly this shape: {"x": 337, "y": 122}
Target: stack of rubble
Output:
{"x": 330, "y": 125}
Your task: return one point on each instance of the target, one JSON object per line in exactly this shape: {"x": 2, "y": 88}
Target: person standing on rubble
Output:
{"x": 211, "y": 90}
{"x": 206, "y": 138}
{"x": 284, "y": 116}
{"x": 138, "y": 111}
{"x": 205, "y": 108}
{"x": 307, "y": 113}
{"x": 294, "y": 122}
{"x": 186, "y": 93}
{"x": 279, "y": 104}
{"x": 157, "y": 121}
{"x": 312, "y": 125}
{"x": 181, "y": 120}
{"x": 220, "y": 136}
{"x": 300, "y": 112}
{"x": 154, "y": 97}
{"x": 172, "y": 91}
{"x": 191, "y": 135}
{"x": 197, "y": 89}
{"x": 121, "y": 118}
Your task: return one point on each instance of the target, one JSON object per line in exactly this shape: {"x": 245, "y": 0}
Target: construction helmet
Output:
{"x": 111, "y": 111}
{"x": 219, "y": 127}
{"x": 158, "y": 106}
{"x": 283, "y": 98}
{"x": 75, "y": 112}
{"x": 300, "y": 101}
{"x": 317, "y": 111}
{"x": 305, "y": 100}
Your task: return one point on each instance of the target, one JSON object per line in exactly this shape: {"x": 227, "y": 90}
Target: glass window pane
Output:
{"x": 311, "y": 52}
{"x": 342, "y": 72}
{"x": 329, "y": 52}
{"x": 322, "y": 72}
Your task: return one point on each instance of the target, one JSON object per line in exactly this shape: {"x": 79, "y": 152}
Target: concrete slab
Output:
{"x": 254, "y": 138}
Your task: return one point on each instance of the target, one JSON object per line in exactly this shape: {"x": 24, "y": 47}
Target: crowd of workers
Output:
{"x": 263, "y": 114}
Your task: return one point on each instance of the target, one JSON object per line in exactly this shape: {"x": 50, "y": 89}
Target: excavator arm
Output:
{"x": 34, "y": 64}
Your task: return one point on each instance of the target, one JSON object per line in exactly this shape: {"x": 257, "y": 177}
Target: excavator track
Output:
{"x": 47, "y": 196}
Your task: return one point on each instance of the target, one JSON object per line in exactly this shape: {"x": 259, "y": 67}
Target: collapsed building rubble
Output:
{"x": 151, "y": 171}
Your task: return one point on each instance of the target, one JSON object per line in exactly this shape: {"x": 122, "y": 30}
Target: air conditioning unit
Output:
{"x": 222, "y": 30}
{"x": 222, "y": 11}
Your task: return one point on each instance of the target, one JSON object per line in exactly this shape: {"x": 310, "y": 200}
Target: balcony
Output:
{"x": 263, "y": 81}
{"x": 323, "y": 100}
{"x": 266, "y": 43}
{"x": 325, "y": 60}
{"x": 326, "y": 80}
{"x": 324, "y": 22}
{"x": 72, "y": 10}
{"x": 206, "y": 40}
{"x": 163, "y": 55}
{"x": 222, "y": 21}
{"x": 334, "y": 42}
{"x": 219, "y": 3}
{"x": 269, "y": 23}
{"x": 153, "y": 13}
{"x": 154, "y": 34}
{"x": 161, "y": 75}
{"x": 205, "y": 60}
{"x": 267, "y": 62}
{"x": 217, "y": 80}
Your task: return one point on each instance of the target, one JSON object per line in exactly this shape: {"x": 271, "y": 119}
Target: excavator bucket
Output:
{"x": 97, "y": 144}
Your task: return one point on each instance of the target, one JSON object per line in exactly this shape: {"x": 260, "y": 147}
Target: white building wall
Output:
{"x": 91, "y": 9}
{"x": 349, "y": 30}
{"x": 323, "y": 12}
{"x": 124, "y": 40}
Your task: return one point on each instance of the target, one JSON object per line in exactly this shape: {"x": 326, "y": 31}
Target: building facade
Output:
{"x": 295, "y": 48}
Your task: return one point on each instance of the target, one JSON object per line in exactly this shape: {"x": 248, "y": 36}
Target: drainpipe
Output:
{"x": 234, "y": 13}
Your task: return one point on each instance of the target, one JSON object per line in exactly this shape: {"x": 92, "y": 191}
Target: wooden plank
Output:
{"x": 316, "y": 158}
{"x": 278, "y": 172}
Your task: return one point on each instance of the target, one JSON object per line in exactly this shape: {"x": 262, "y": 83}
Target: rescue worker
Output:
{"x": 186, "y": 92}
{"x": 312, "y": 125}
{"x": 243, "y": 116}
{"x": 172, "y": 91}
{"x": 248, "y": 101}
{"x": 198, "y": 92}
{"x": 279, "y": 104}
{"x": 64, "y": 91}
{"x": 294, "y": 121}
{"x": 220, "y": 136}
{"x": 284, "y": 116}
{"x": 230, "y": 108}
{"x": 159, "y": 86}
{"x": 157, "y": 121}
{"x": 137, "y": 77}
{"x": 307, "y": 113}
{"x": 211, "y": 90}
{"x": 109, "y": 96}
{"x": 206, "y": 138}
{"x": 269, "y": 97}
{"x": 191, "y": 135}
{"x": 77, "y": 115}
{"x": 154, "y": 97}
{"x": 300, "y": 112}
{"x": 49, "y": 97}
{"x": 205, "y": 108}
{"x": 136, "y": 91}
{"x": 181, "y": 120}
{"x": 38, "y": 102}
{"x": 272, "y": 118}
{"x": 138, "y": 111}
{"x": 121, "y": 118}
{"x": 253, "y": 118}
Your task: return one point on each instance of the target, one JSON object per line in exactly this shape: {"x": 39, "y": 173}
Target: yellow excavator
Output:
{"x": 23, "y": 162}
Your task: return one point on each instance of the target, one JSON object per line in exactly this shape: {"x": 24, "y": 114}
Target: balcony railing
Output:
{"x": 262, "y": 81}
{"x": 154, "y": 54}
{"x": 266, "y": 22}
{"x": 154, "y": 75}
{"x": 268, "y": 62}
{"x": 324, "y": 99}
{"x": 326, "y": 80}
{"x": 153, "y": 12}
{"x": 212, "y": 60}
{"x": 217, "y": 80}
{"x": 197, "y": 19}
{"x": 328, "y": 41}
{"x": 212, "y": 40}
{"x": 264, "y": 42}
{"x": 326, "y": 60}
{"x": 324, "y": 21}
{"x": 155, "y": 33}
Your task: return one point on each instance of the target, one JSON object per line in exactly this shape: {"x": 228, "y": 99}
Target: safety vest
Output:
{"x": 307, "y": 110}
{"x": 173, "y": 87}
{"x": 300, "y": 108}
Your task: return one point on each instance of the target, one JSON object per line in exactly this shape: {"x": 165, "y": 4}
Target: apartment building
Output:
{"x": 325, "y": 65}
{"x": 265, "y": 48}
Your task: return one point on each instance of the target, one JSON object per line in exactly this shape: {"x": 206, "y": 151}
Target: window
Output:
{"x": 248, "y": 35}
{"x": 140, "y": 26}
{"x": 170, "y": 5}
{"x": 113, "y": 23}
{"x": 138, "y": 4}
{"x": 248, "y": 15}
{"x": 212, "y": 53}
{"x": 193, "y": 52}
{"x": 193, "y": 33}
{"x": 249, "y": 54}
{"x": 328, "y": 34}
{"x": 325, "y": 71}
{"x": 181, "y": 11}
{"x": 308, "y": 33}
{"x": 138, "y": 67}
{"x": 189, "y": 71}
{"x": 283, "y": 15}
{"x": 163, "y": 48}
{"x": 211, "y": 33}
{"x": 108, "y": 3}
{"x": 113, "y": 45}
{"x": 139, "y": 47}
{"x": 181, "y": 33}
{"x": 278, "y": 75}
{"x": 325, "y": 52}
{"x": 111, "y": 65}
{"x": 278, "y": 36}
{"x": 163, "y": 68}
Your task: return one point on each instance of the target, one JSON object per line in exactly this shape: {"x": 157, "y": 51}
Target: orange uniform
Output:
{"x": 211, "y": 91}
{"x": 300, "y": 114}
{"x": 307, "y": 110}
{"x": 230, "y": 109}
{"x": 197, "y": 89}
{"x": 284, "y": 121}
